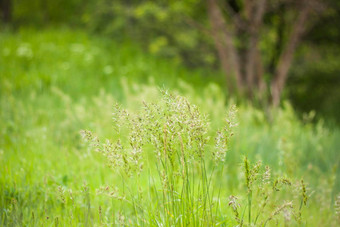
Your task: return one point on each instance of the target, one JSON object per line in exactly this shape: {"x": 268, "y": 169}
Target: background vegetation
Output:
{"x": 65, "y": 64}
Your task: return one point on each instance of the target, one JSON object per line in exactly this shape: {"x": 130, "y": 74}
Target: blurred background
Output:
{"x": 64, "y": 63}
{"x": 266, "y": 38}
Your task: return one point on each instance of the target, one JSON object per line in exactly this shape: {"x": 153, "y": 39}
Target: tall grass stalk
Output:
{"x": 180, "y": 154}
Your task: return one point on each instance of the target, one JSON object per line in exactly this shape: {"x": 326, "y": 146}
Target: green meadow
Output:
{"x": 163, "y": 145}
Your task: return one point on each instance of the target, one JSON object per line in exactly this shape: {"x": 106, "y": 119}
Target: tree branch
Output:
{"x": 287, "y": 55}
{"x": 252, "y": 63}
{"x": 223, "y": 39}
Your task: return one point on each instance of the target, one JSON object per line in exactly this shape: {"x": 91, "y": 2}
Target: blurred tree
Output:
{"x": 314, "y": 81}
{"x": 259, "y": 44}
{"x": 6, "y": 10}
{"x": 239, "y": 27}
{"x": 164, "y": 28}
{"x": 254, "y": 41}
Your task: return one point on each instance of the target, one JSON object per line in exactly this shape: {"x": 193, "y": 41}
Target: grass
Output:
{"x": 55, "y": 83}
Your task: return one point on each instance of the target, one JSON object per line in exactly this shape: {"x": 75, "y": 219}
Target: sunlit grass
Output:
{"x": 55, "y": 83}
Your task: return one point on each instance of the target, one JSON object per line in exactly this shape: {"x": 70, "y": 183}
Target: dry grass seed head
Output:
{"x": 337, "y": 208}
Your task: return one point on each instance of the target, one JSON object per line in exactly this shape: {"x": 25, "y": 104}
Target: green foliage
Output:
{"x": 57, "y": 82}
{"x": 314, "y": 82}
{"x": 179, "y": 30}
{"x": 42, "y": 12}
{"x": 161, "y": 28}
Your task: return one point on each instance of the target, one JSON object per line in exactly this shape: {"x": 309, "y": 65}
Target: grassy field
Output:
{"x": 187, "y": 156}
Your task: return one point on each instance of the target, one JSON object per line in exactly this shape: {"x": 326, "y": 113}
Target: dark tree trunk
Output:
{"x": 6, "y": 11}
{"x": 253, "y": 64}
{"x": 243, "y": 61}
{"x": 286, "y": 57}
{"x": 224, "y": 45}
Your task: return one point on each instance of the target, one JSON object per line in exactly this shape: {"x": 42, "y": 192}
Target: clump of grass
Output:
{"x": 262, "y": 201}
{"x": 176, "y": 138}
{"x": 181, "y": 152}
{"x": 337, "y": 209}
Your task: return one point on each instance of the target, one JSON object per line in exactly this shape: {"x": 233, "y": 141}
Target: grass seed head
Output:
{"x": 337, "y": 208}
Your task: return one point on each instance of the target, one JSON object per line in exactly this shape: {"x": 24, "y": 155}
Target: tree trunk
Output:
{"x": 287, "y": 55}
{"x": 226, "y": 50}
{"x": 253, "y": 65}
{"x": 245, "y": 64}
{"x": 6, "y": 10}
